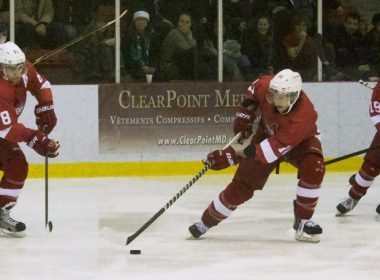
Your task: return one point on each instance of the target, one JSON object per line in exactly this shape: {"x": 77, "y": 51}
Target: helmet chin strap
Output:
{"x": 4, "y": 72}
{"x": 290, "y": 106}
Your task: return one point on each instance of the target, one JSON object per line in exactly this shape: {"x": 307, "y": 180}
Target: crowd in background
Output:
{"x": 176, "y": 40}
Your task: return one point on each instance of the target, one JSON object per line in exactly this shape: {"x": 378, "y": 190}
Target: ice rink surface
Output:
{"x": 92, "y": 219}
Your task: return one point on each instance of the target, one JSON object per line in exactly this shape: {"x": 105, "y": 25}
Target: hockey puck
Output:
{"x": 50, "y": 225}
{"x": 135, "y": 252}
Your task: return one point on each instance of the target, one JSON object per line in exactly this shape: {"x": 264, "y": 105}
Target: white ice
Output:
{"x": 92, "y": 219}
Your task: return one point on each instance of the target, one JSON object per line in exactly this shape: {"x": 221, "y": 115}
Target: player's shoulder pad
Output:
{"x": 303, "y": 110}
{"x": 376, "y": 89}
{"x": 258, "y": 83}
{"x": 30, "y": 67}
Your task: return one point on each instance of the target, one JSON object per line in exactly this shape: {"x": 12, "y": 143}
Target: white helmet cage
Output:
{"x": 285, "y": 83}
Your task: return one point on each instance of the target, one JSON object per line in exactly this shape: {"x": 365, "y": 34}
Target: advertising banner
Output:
{"x": 167, "y": 117}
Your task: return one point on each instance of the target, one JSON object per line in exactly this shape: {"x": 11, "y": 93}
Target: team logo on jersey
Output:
{"x": 284, "y": 150}
{"x": 272, "y": 128}
{"x": 251, "y": 88}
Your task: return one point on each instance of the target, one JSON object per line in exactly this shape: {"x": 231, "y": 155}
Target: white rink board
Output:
{"x": 342, "y": 109}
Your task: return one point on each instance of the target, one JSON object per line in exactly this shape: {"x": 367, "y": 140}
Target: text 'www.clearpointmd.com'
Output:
{"x": 194, "y": 140}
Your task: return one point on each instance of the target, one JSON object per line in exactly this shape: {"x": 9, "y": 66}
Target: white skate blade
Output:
{"x": 304, "y": 237}
{"x": 7, "y": 233}
{"x": 190, "y": 237}
{"x": 338, "y": 214}
{"x": 291, "y": 234}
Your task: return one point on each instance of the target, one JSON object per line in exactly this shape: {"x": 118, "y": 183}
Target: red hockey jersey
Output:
{"x": 12, "y": 102}
{"x": 285, "y": 131}
{"x": 374, "y": 111}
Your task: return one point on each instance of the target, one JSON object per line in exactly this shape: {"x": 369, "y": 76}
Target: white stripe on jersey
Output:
{"x": 10, "y": 192}
{"x": 362, "y": 182}
{"x": 269, "y": 155}
{"x": 4, "y": 132}
{"x": 219, "y": 206}
{"x": 46, "y": 84}
{"x": 375, "y": 119}
{"x": 310, "y": 193}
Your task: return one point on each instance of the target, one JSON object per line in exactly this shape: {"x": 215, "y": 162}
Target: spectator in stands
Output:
{"x": 204, "y": 11}
{"x": 333, "y": 16}
{"x": 204, "y": 15}
{"x": 371, "y": 48}
{"x": 236, "y": 15}
{"x": 96, "y": 54}
{"x": 236, "y": 65}
{"x": 301, "y": 51}
{"x": 158, "y": 11}
{"x": 333, "y": 13}
{"x": 259, "y": 46}
{"x": 231, "y": 56}
{"x": 347, "y": 42}
{"x": 281, "y": 19}
{"x": 136, "y": 47}
{"x": 178, "y": 52}
{"x": 172, "y": 9}
{"x": 149, "y": 6}
{"x": 73, "y": 16}
{"x": 35, "y": 27}
{"x": 208, "y": 53}
{"x": 4, "y": 10}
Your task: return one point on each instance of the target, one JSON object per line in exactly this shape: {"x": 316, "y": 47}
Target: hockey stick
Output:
{"x": 48, "y": 223}
{"x": 366, "y": 84}
{"x": 322, "y": 57}
{"x": 174, "y": 198}
{"x": 76, "y": 40}
{"x": 350, "y": 155}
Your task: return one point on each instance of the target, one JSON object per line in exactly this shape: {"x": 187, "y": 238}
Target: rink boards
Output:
{"x": 120, "y": 130}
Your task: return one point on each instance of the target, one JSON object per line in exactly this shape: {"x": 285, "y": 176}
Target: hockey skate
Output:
{"x": 10, "y": 225}
{"x": 346, "y": 205}
{"x": 307, "y": 231}
{"x": 378, "y": 209}
{"x": 198, "y": 229}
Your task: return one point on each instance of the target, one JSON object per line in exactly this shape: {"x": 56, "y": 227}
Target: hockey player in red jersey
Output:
{"x": 287, "y": 131}
{"x": 370, "y": 169}
{"x": 17, "y": 76}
